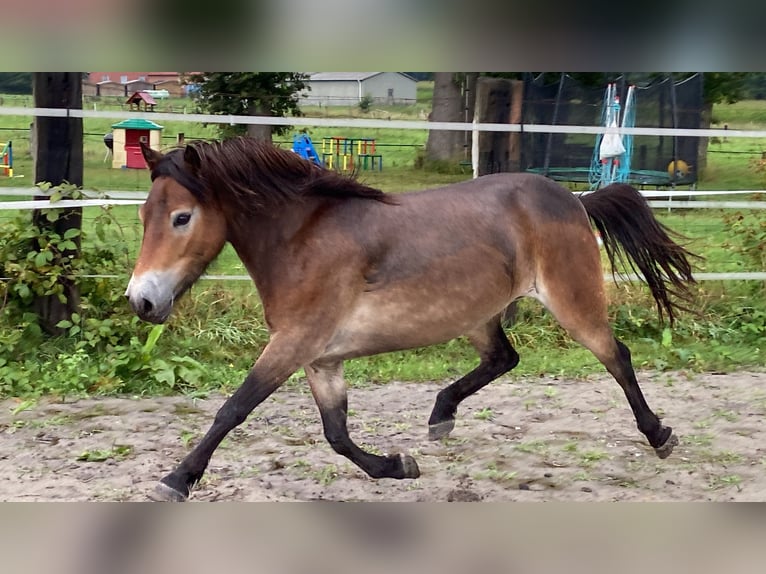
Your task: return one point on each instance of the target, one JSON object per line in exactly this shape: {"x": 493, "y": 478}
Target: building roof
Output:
{"x": 137, "y": 124}
{"x": 97, "y": 77}
{"x": 143, "y": 96}
{"x": 346, "y": 76}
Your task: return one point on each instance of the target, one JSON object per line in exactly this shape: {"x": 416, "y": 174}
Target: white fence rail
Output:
{"x": 117, "y": 197}
{"x": 375, "y": 123}
{"x": 138, "y": 197}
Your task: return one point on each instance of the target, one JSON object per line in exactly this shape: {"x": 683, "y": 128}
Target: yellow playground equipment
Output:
{"x": 346, "y": 153}
{"x": 7, "y": 158}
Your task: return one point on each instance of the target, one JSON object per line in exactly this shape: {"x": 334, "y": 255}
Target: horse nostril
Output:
{"x": 148, "y": 306}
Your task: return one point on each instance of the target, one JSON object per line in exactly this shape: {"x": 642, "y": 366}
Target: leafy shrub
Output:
{"x": 105, "y": 347}
{"x": 365, "y": 103}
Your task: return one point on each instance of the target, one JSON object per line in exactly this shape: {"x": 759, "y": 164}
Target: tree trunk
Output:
{"x": 706, "y": 118}
{"x": 260, "y": 132}
{"x": 447, "y": 106}
{"x": 499, "y": 101}
{"x": 58, "y": 159}
{"x": 493, "y": 105}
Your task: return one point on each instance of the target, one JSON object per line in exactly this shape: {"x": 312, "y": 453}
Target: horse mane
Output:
{"x": 256, "y": 176}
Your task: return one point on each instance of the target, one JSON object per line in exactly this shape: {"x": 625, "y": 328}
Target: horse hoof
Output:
{"x": 665, "y": 450}
{"x": 409, "y": 466}
{"x": 440, "y": 430}
{"x": 164, "y": 493}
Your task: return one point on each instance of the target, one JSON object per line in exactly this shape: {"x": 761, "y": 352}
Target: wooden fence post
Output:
{"x": 493, "y": 105}
{"x": 58, "y": 159}
{"x": 499, "y": 100}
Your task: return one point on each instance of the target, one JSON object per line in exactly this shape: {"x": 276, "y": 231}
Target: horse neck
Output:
{"x": 260, "y": 239}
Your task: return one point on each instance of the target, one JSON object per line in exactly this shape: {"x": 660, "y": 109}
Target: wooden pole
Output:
{"x": 514, "y": 138}
{"x": 498, "y": 101}
{"x": 58, "y": 159}
{"x": 493, "y": 105}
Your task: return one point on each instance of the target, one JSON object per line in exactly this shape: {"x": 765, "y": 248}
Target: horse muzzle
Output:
{"x": 151, "y": 295}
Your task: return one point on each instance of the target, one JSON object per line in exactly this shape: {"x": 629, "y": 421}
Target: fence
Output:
{"x": 671, "y": 198}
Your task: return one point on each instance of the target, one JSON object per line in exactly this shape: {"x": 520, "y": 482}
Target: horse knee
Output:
{"x": 511, "y": 360}
{"x": 231, "y": 415}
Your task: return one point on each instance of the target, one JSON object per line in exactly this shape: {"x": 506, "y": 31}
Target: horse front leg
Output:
{"x": 277, "y": 362}
{"x": 330, "y": 394}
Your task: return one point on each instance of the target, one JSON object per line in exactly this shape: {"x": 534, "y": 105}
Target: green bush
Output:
{"x": 105, "y": 347}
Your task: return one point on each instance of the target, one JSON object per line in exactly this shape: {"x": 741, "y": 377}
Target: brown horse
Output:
{"x": 345, "y": 270}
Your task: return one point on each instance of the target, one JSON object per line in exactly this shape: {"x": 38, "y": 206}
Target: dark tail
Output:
{"x": 628, "y": 227}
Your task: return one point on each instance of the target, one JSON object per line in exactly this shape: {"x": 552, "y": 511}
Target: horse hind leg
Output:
{"x": 579, "y": 305}
{"x": 497, "y": 358}
{"x": 330, "y": 394}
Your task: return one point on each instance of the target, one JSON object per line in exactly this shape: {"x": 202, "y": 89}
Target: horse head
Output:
{"x": 183, "y": 233}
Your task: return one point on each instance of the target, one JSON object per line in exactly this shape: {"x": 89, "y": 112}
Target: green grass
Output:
{"x": 745, "y": 115}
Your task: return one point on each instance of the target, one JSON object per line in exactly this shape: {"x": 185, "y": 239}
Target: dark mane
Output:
{"x": 257, "y": 176}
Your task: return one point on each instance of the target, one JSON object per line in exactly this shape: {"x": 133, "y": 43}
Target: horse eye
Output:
{"x": 181, "y": 219}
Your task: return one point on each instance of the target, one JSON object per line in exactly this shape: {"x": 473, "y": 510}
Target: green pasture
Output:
{"x": 217, "y": 330}
{"x": 731, "y": 161}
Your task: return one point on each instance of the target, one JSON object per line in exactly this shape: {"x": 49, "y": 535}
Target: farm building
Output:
{"x": 125, "y": 83}
{"x": 106, "y": 88}
{"x": 348, "y": 88}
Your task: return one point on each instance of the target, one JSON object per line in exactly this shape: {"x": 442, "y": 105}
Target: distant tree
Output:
{"x": 421, "y": 76}
{"x": 273, "y": 94}
{"x": 16, "y": 82}
{"x": 755, "y": 86}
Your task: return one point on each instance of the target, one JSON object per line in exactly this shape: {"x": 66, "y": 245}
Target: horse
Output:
{"x": 345, "y": 270}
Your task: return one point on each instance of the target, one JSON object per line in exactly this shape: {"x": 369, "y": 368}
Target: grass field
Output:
{"x": 218, "y": 330}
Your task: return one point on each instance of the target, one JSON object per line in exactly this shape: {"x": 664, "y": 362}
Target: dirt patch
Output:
{"x": 517, "y": 440}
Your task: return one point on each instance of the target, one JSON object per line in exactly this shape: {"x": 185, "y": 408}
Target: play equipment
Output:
{"x": 678, "y": 169}
{"x": 613, "y": 150}
{"x": 337, "y": 153}
{"x": 304, "y": 147}
{"x": 345, "y": 153}
{"x": 658, "y": 102}
{"x": 7, "y": 155}
{"x": 126, "y": 143}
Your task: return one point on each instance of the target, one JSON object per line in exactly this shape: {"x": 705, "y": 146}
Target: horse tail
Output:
{"x": 633, "y": 237}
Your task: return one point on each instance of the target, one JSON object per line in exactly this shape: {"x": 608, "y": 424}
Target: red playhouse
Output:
{"x": 128, "y": 136}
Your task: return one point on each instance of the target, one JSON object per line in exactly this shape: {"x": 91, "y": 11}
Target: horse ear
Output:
{"x": 191, "y": 157}
{"x": 150, "y": 156}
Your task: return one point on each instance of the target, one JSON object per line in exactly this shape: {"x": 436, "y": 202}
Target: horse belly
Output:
{"x": 421, "y": 312}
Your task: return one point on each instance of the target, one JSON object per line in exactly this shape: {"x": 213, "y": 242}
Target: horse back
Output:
{"x": 510, "y": 212}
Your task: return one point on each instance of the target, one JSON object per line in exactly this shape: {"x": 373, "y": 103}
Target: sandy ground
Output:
{"x": 539, "y": 439}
